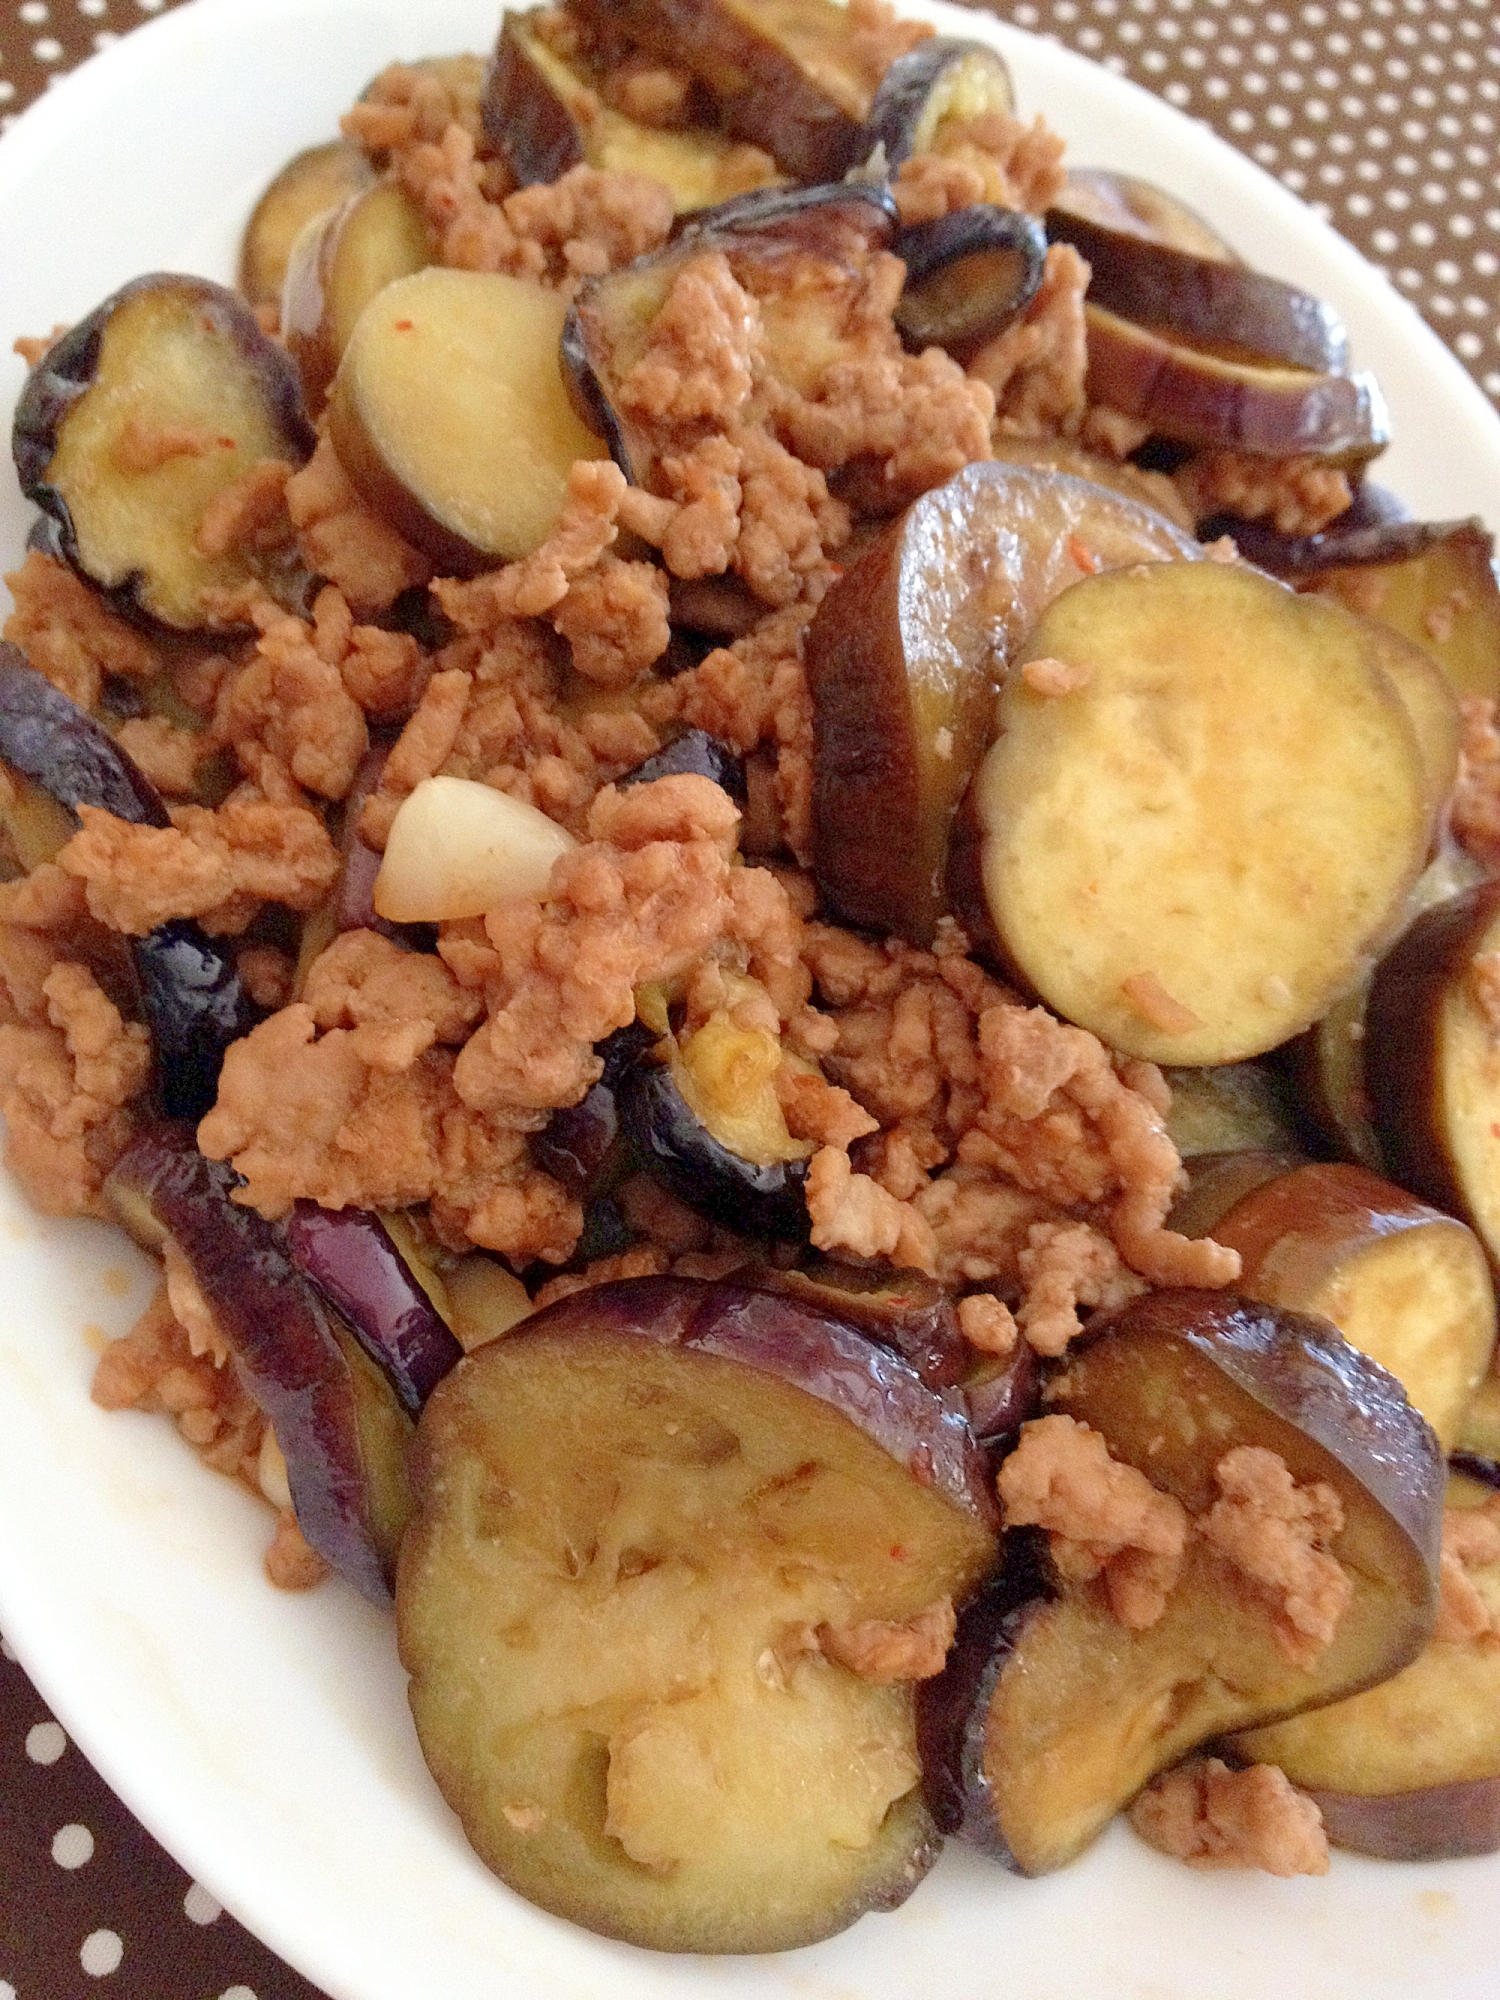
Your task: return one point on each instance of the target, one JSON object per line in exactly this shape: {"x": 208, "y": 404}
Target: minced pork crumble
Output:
{"x": 955, "y": 1128}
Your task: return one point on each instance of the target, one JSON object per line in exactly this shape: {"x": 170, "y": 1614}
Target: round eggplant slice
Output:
{"x": 313, "y": 184}
{"x": 1053, "y": 1713}
{"x": 337, "y": 266}
{"x": 638, "y": 1516}
{"x": 940, "y": 79}
{"x": 1197, "y": 397}
{"x": 968, "y": 275}
{"x": 450, "y": 415}
{"x": 543, "y": 116}
{"x": 789, "y": 75}
{"x": 190, "y": 993}
{"x": 1220, "y": 307}
{"x": 1122, "y": 202}
{"x": 755, "y": 1197}
{"x": 906, "y": 653}
{"x": 134, "y": 423}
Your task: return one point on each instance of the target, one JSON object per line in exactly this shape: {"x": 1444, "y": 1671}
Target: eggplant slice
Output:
{"x": 136, "y": 421}
{"x": 190, "y": 993}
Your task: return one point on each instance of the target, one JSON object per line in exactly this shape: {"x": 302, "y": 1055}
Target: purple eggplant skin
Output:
{"x": 1346, "y": 543}
{"x": 953, "y": 1707}
{"x": 904, "y": 1311}
{"x": 581, "y": 1145}
{"x": 346, "y": 1255}
{"x": 694, "y": 754}
{"x": 191, "y": 994}
{"x": 764, "y": 1201}
{"x": 829, "y": 220}
{"x": 901, "y": 97}
{"x": 280, "y": 1332}
{"x": 968, "y": 276}
{"x": 52, "y": 741}
{"x": 524, "y": 120}
{"x": 66, "y": 372}
{"x": 1002, "y": 1393}
{"x": 802, "y": 1344}
{"x": 1209, "y": 302}
{"x": 195, "y": 1007}
{"x": 591, "y": 406}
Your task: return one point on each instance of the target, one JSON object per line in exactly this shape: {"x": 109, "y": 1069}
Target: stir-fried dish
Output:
{"x": 732, "y": 818}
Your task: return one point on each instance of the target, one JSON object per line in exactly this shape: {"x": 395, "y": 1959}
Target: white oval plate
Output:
{"x": 263, "y": 1738}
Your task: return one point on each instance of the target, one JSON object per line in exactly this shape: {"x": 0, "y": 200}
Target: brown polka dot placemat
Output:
{"x": 1385, "y": 116}
{"x": 89, "y": 1904}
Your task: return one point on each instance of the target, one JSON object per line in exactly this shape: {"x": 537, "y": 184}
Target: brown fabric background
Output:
{"x": 1385, "y": 116}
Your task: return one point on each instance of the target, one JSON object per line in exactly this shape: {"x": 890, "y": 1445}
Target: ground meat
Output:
{"x": 539, "y": 582}
{"x": 994, "y": 158}
{"x": 1298, "y": 496}
{"x": 68, "y": 634}
{"x": 157, "y": 1367}
{"x": 1101, "y": 1516}
{"x": 290, "y": 1562}
{"x": 1475, "y": 808}
{"x": 1276, "y": 1533}
{"x": 1210, "y": 1816}
{"x": 168, "y": 755}
{"x": 1471, "y": 1539}
{"x": 917, "y": 416}
{"x": 1066, "y": 1265}
{"x": 987, "y": 1323}
{"x": 218, "y": 866}
{"x": 249, "y": 513}
{"x": 65, "y": 1084}
{"x": 1036, "y": 368}
{"x": 818, "y": 1110}
{"x": 363, "y": 980}
{"x": 344, "y": 540}
{"x": 1116, "y": 436}
{"x": 884, "y": 1651}
{"x": 979, "y": 1225}
{"x": 290, "y": 702}
{"x": 615, "y": 619}
{"x": 851, "y": 1213}
{"x": 700, "y": 359}
{"x": 386, "y": 673}
{"x": 1061, "y": 1121}
{"x": 364, "y": 1118}
{"x": 644, "y": 900}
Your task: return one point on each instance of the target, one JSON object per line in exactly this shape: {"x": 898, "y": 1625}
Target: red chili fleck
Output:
{"x": 1082, "y": 555}
{"x": 226, "y": 444}
{"x": 403, "y": 326}
{"x": 898, "y": 1553}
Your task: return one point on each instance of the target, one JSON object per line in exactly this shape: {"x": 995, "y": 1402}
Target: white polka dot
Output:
{"x": 1491, "y": 384}
{"x": 45, "y": 1742}
{"x": 237, "y": 1993}
{"x": 101, "y": 1953}
{"x": 32, "y": 12}
{"x": 1385, "y": 241}
{"x": 105, "y": 39}
{"x": 93, "y": 8}
{"x": 1445, "y": 271}
{"x": 1469, "y": 345}
{"x": 199, "y": 1907}
{"x": 1178, "y": 94}
{"x": 72, "y": 1846}
{"x": 7, "y": 92}
{"x": 48, "y": 49}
